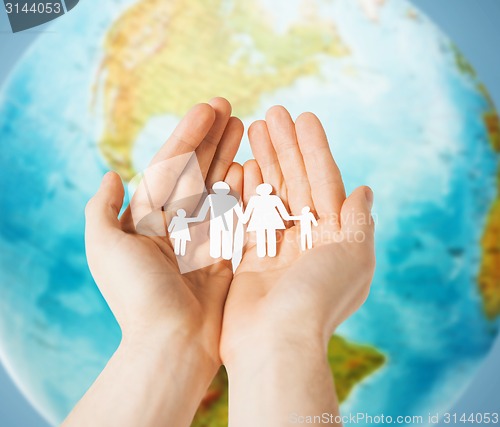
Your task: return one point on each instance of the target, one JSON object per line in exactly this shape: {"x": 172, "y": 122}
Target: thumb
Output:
{"x": 356, "y": 217}
{"x": 101, "y": 212}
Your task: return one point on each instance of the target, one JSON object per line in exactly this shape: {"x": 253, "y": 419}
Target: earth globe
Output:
{"x": 405, "y": 114}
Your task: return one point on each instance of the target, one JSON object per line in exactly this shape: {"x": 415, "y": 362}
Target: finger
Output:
{"x": 189, "y": 133}
{"x": 101, "y": 212}
{"x": 206, "y": 150}
{"x": 234, "y": 178}
{"x": 327, "y": 187}
{"x": 357, "y": 222}
{"x": 175, "y": 160}
{"x": 175, "y": 157}
{"x": 283, "y": 137}
{"x": 191, "y": 183}
{"x": 266, "y": 157}
{"x": 226, "y": 151}
{"x": 251, "y": 179}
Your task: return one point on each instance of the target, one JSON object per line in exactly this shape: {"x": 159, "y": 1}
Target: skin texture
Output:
{"x": 281, "y": 311}
{"x": 269, "y": 323}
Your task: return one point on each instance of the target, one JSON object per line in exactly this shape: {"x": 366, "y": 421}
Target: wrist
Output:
{"x": 175, "y": 352}
{"x": 167, "y": 376}
{"x": 278, "y": 378}
{"x": 273, "y": 347}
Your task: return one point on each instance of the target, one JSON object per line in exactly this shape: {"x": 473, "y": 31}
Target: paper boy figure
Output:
{"x": 306, "y": 220}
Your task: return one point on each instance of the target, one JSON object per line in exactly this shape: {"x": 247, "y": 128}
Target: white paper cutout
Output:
{"x": 222, "y": 207}
{"x": 307, "y": 219}
{"x": 179, "y": 231}
{"x": 265, "y": 214}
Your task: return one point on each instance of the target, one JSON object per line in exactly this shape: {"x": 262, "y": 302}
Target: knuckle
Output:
{"x": 223, "y": 160}
{"x": 287, "y": 148}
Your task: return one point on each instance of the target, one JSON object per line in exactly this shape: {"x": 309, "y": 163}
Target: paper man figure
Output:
{"x": 222, "y": 206}
{"x": 306, "y": 220}
{"x": 266, "y": 213}
{"x": 179, "y": 231}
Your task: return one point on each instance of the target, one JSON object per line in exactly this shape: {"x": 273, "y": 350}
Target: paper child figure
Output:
{"x": 265, "y": 214}
{"x": 222, "y": 207}
{"x": 307, "y": 219}
{"x": 179, "y": 231}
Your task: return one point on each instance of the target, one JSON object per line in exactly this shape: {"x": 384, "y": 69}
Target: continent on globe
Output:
{"x": 239, "y": 68}
{"x": 350, "y": 364}
{"x": 195, "y": 53}
{"x": 489, "y": 275}
{"x": 413, "y": 123}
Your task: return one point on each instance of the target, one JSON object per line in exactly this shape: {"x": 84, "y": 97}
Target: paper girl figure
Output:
{"x": 307, "y": 219}
{"x": 179, "y": 231}
{"x": 264, "y": 214}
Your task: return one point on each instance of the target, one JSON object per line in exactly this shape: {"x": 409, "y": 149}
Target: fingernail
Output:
{"x": 369, "y": 196}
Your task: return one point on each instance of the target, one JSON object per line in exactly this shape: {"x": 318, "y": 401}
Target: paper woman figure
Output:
{"x": 307, "y": 219}
{"x": 265, "y": 214}
{"x": 179, "y": 231}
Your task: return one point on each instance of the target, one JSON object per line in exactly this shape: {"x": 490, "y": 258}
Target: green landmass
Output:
{"x": 463, "y": 65}
{"x": 491, "y": 120}
{"x": 350, "y": 364}
{"x": 162, "y": 57}
{"x": 489, "y": 273}
{"x": 213, "y": 411}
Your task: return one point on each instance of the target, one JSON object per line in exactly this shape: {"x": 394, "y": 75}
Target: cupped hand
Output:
{"x": 132, "y": 260}
{"x": 298, "y": 295}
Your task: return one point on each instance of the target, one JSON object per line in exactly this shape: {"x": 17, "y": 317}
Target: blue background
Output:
{"x": 473, "y": 25}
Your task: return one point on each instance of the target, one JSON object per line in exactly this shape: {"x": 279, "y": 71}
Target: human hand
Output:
{"x": 138, "y": 275}
{"x": 281, "y": 311}
{"x": 299, "y": 296}
{"x": 170, "y": 321}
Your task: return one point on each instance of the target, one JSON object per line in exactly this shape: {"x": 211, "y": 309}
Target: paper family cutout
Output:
{"x": 265, "y": 214}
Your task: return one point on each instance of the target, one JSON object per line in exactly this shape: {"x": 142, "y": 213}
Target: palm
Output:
{"x": 157, "y": 281}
